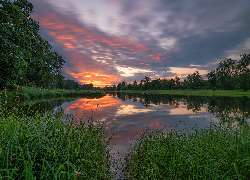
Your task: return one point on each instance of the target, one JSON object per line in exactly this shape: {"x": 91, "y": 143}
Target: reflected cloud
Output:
{"x": 158, "y": 123}
{"x": 85, "y": 104}
{"x": 131, "y": 110}
{"x": 182, "y": 110}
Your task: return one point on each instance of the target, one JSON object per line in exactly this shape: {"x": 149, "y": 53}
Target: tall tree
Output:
{"x": 212, "y": 79}
{"x": 134, "y": 85}
{"x": 147, "y": 80}
{"x": 244, "y": 72}
{"x": 16, "y": 31}
{"x": 194, "y": 80}
{"x": 24, "y": 56}
{"x": 177, "y": 82}
{"x": 225, "y": 72}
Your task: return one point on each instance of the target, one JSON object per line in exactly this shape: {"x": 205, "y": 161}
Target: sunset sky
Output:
{"x": 105, "y": 42}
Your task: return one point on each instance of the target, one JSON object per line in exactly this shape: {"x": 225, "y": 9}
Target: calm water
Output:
{"x": 128, "y": 115}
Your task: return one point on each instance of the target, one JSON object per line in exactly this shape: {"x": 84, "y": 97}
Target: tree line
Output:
{"x": 71, "y": 84}
{"x": 26, "y": 59}
{"x": 229, "y": 75}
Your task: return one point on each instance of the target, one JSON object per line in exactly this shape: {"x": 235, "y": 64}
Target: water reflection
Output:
{"x": 225, "y": 109}
{"x": 128, "y": 114}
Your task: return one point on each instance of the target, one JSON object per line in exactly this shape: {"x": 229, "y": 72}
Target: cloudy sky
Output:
{"x": 105, "y": 42}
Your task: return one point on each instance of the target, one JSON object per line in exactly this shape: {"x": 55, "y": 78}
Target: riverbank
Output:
{"x": 29, "y": 93}
{"x": 44, "y": 147}
{"x": 232, "y": 93}
{"x": 216, "y": 152}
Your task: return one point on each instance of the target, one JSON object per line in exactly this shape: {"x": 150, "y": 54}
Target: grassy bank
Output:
{"x": 30, "y": 93}
{"x": 232, "y": 93}
{"x": 43, "y": 147}
{"x": 213, "y": 153}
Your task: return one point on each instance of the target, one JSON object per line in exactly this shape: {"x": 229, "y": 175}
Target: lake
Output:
{"x": 130, "y": 114}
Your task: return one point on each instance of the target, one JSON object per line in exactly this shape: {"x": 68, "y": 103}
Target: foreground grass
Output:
{"x": 203, "y": 92}
{"x": 213, "y": 153}
{"x": 28, "y": 93}
{"x": 43, "y": 147}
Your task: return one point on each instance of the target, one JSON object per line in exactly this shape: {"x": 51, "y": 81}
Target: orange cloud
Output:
{"x": 69, "y": 45}
{"x": 83, "y": 54}
{"x": 84, "y": 104}
{"x": 99, "y": 80}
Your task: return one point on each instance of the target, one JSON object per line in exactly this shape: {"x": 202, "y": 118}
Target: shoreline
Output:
{"x": 231, "y": 93}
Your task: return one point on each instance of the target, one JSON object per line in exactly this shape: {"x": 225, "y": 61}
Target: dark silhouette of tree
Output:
{"x": 212, "y": 79}
{"x": 225, "y": 72}
{"x": 146, "y": 79}
{"x": 134, "y": 86}
{"x": 194, "y": 80}
{"x": 177, "y": 82}
{"x": 244, "y": 72}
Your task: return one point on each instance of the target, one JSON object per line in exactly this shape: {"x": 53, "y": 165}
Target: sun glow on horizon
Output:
{"x": 98, "y": 80}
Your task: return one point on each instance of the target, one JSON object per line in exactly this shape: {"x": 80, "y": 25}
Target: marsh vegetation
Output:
{"x": 43, "y": 145}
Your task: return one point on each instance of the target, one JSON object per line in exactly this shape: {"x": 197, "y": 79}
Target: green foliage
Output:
{"x": 71, "y": 84}
{"x": 244, "y": 72}
{"x": 231, "y": 74}
{"x": 215, "y": 152}
{"x": 24, "y": 56}
{"x": 43, "y": 147}
{"x": 194, "y": 80}
{"x": 134, "y": 86}
{"x": 24, "y": 93}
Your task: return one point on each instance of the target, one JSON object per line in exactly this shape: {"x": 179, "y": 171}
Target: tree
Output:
{"x": 177, "y": 82}
{"x": 16, "y": 30}
{"x": 156, "y": 84}
{"x": 146, "y": 80}
{"x": 134, "y": 86}
{"x": 171, "y": 84}
{"x": 129, "y": 86}
{"x": 194, "y": 80}
{"x": 244, "y": 72}
{"x": 25, "y": 58}
{"x": 119, "y": 86}
{"x": 164, "y": 84}
{"x": 212, "y": 79}
{"x": 225, "y": 72}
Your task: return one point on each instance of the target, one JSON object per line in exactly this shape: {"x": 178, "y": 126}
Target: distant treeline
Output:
{"x": 229, "y": 75}
{"x": 26, "y": 59}
{"x": 70, "y": 84}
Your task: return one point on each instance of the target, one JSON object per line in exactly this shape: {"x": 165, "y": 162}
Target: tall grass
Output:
{"x": 216, "y": 152}
{"x": 43, "y": 147}
{"x": 46, "y": 147}
{"x": 28, "y": 93}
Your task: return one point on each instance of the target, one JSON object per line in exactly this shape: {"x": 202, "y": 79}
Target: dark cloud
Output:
{"x": 152, "y": 36}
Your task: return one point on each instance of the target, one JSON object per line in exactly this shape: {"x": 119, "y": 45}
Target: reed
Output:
{"x": 216, "y": 152}
{"x": 43, "y": 147}
{"x": 30, "y": 93}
